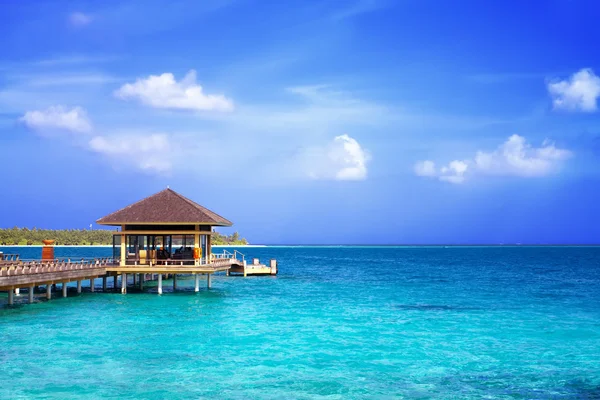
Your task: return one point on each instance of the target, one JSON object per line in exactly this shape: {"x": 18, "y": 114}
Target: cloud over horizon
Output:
{"x": 515, "y": 157}
{"x": 578, "y": 93}
{"x": 342, "y": 159}
{"x": 150, "y": 153}
{"x": 163, "y": 91}
{"x": 61, "y": 118}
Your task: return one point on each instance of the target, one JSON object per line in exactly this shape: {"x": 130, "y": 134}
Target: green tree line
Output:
{"x": 233, "y": 239}
{"x": 84, "y": 237}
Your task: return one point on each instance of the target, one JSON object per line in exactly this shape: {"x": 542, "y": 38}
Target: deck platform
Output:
{"x": 256, "y": 268}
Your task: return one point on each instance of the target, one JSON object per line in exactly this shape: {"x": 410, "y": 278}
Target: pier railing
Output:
{"x": 8, "y": 257}
{"x": 229, "y": 255}
{"x": 27, "y": 267}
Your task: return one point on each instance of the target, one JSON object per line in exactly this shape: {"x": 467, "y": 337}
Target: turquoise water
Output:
{"x": 338, "y": 322}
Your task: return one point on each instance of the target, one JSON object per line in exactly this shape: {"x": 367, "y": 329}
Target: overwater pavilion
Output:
{"x": 165, "y": 233}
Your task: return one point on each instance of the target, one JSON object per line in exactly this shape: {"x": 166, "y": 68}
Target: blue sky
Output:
{"x": 360, "y": 121}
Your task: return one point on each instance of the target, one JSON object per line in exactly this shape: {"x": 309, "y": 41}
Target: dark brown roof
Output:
{"x": 165, "y": 207}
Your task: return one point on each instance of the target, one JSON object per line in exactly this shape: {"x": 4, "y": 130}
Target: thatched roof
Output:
{"x": 165, "y": 207}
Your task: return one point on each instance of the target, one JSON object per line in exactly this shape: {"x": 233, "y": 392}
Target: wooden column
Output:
{"x": 134, "y": 279}
{"x": 64, "y": 289}
{"x": 208, "y": 283}
{"x": 115, "y": 282}
{"x": 159, "y": 283}
{"x": 92, "y": 285}
{"x": 123, "y": 247}
{"x": 208, "y": 246}
{"x": 174, "y": 282}
{"x": 142, "y": 278}
{"x": 49, "y": 291}
{"x": 104, "y": 278}
{"x": 79, "y": 286}
{"x": 30, "y": 294}
{"x": 11, "y": 296}
{"x": 196, "y": 283}
{"x": 124, "y": 284}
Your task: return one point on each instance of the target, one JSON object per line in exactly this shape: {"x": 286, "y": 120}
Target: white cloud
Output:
{"x": 163, "y": 91}
{"x": 454, "y": 172}
{"x": 515, "y": 157}
{"x": 580, "y": 92}
{"x": 79, "y": 19}
{"x": 343, "y": 159}
{"x": 58, "y": 118}
{"x": 151, "y": 153}
{"x": 425, "y": 168}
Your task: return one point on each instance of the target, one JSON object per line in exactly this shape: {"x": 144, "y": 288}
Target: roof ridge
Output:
{"x": 198, "y": 206}
{"x": 153, "y": 208}
{"x": 133, "y": 204}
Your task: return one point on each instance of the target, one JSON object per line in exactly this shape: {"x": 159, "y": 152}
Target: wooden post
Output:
{"x": 31, "y": 294}
{"x": 79, "y": 286}
{"x": 159, "y": 283}
{"x": 64, "y": 289}
{"x": 124, "y": 284}
{"x": 196, "y": 283}
{"x": 123, "y": 247}
{"x": 174, "y": 282}
{"x": 208, "y": 284}
{"x": 104, "y": 283}
{"x": 49, "y": 291}
{"x": 92, "y": 285}
{"x": 11, "y": 296}
{"x": 208, "y": 246}
{"x": 134, "y": 279}
{"x": 142, "y": 278}
{"x": 273, "y": 265}
{"x": 245, "y": 268}
{"x": 115, "y": 282}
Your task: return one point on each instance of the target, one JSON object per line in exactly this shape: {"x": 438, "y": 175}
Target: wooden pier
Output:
{"x": 164, "y": 234}
{"x": 18, "y": 274}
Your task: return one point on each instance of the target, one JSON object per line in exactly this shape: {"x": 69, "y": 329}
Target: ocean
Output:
{"x": 336, "y": 323}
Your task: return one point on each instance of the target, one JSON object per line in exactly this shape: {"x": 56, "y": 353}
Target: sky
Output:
{"x": 308, "y": 122}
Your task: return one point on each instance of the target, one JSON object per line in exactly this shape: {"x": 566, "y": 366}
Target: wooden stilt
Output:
{"x": 49, "y": 291}
{"x": 196, "y": 283}
{"x": 79, "y": 286}
{"x": 174, "y": 282}
{"x": 134, "y": 275}
{"x": 115, "y": 282}
{"x": 92, "y": 285}
{"x": 142, "y": 279}
{"x": 124, "y": 284}
{"x": 11, "y": 297}
{"x": 104, "y": 283}
{"x": 64, "y": 289}
{"x": 208, "y": 278}
{"x": 30, "y": 293}
{"x": 159, "y": 283}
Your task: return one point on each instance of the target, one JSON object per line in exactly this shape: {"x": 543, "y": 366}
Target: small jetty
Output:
{"x": 163, "y": 235}
{"x": 256, "y": 268}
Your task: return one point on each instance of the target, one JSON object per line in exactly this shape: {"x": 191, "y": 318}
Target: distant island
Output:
{"x": 85, "y": 237}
